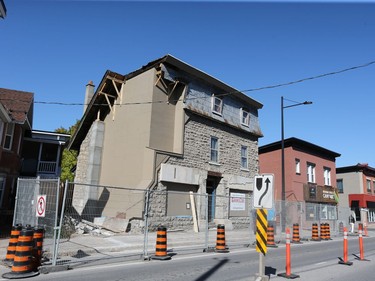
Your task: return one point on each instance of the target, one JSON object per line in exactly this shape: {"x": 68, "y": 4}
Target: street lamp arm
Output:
{"x": 297, "y": 104}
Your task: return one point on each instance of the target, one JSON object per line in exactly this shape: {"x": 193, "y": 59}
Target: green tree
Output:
{"x": 69, "y": 157}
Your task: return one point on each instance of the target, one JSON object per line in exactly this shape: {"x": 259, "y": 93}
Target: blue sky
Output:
{"x": 53, "y": 48}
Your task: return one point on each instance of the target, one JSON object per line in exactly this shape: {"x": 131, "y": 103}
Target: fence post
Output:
{"x": 55, "y": 228}
{"x": 56, "y": 241}
{"x": 145, "y": 236}
{"x": 15, "y": 203}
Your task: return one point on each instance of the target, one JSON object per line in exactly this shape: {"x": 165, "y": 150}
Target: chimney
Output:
{"x": 88, "y": 95}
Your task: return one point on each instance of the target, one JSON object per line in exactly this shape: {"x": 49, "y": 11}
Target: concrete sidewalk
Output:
{"x": 82, "y": 248}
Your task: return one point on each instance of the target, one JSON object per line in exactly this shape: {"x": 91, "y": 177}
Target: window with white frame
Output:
{"x": 245, "y": 117}
{"x": 214, "y": 150}
{"x": 298, "y": 166}
{"x": 327, "y": 176}
{"x": 9, "y": 136}
{"x": 217, "y": 105}
{"x": 244, "y": 159}
{"x": 311, "y": 172}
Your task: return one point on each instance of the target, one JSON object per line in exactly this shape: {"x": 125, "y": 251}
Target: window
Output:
{"x": 368, "y": 184}
{"x": 217, "y": 105}
{"x": 214, "y": 150}
{"x": 311, "y": 172}
{"x": 298, "y": 166}
{"x": 340, "y": 185}
{"x": 9, "y": 136}
{"x": 327, "y": 176}
{"x": 244, "y": 162}
{"x": 245, "y": 117}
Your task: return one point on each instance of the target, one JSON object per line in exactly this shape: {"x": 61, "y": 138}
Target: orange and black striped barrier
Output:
{"x": 161, "y": 244}
{"x": 271, "y": 236}
{"x": 38, "y": 246}
{"x": 220, "y": 239}
{"x": 323, "y": 231}
{"x": 344, "y": 260}
{"x": 315, "y": 232}
{"x": 11, "y": 250}
{"x": 296, "y": 238}
{"x": 23, "y": 258}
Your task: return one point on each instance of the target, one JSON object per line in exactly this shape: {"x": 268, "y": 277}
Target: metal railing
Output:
{"x": 47, "y": 167}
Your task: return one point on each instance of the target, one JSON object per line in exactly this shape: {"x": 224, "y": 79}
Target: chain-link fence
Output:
{"x": 37, "y": 203}
{"x": 102, "y": 222}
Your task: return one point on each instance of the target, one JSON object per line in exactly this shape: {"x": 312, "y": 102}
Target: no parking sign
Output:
{"x": 41, "y": 206}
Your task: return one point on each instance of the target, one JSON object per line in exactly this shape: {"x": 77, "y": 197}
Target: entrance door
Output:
{"x": 211, "y": 185}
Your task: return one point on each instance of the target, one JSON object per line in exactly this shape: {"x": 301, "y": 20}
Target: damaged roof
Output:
{"x": 18, "y": 104}
{"x": 98, "y": 101}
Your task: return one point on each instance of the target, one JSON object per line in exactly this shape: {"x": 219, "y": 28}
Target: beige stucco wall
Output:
{"x": 127, "y": 135}
{"x": 353, "y": 184}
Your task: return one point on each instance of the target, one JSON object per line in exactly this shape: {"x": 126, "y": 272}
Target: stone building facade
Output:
{"x": 189, "y": 147}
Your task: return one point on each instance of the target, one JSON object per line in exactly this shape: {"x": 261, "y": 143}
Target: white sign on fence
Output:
{"x": 41, "y": 206}
{"x": 237, "y": 202}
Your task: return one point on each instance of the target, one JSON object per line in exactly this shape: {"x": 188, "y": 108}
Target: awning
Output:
{"x": 362, "y": 199}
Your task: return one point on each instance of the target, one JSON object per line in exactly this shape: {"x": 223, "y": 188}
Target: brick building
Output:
{"x": 310, "y": 175}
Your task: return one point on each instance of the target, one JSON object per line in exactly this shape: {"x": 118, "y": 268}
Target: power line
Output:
{"x": 219, "y": 95}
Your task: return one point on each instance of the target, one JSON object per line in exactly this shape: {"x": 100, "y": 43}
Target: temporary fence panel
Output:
{"x": 130, "y": 219}
{"x": 197, "y": 215}
{"x": 99, "y": 211}
{"x": 37, "y": 202}
{"x": 37, "y": 205}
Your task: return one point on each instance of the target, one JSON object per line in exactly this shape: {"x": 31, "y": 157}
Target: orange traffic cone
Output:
{"x": 271, "y": 236}
{"x": 11, "y": 250}
{"x": 23, "y": 258}
{"x": 296, "y": 239}
{"x": 315, "y": 232}
{"x": 161, "y": 245}
{"x": 220, "y": 239}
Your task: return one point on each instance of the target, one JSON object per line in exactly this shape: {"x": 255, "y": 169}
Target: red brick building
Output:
{"x": 310, "y": 172}
{"x": 16, "y": 117}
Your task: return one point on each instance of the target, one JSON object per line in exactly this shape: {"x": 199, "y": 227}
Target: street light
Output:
{"x": 283, "y": 216}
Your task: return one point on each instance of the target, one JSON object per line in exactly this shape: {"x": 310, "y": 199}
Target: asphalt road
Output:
{"x": 310, "y": 260}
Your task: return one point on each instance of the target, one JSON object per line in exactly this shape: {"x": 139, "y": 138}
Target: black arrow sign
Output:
{"x": 267, "y": 181}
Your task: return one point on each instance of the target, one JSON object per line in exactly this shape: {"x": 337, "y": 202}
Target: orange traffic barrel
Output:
{"x": 38, "y": 246}
{"x": 220, "y": 239}
{"x": 11, "y": 250}
{"x": 271, "y": 236}
{"x": 315, "y": 232}
{"x": 296, "y": 238}
{"x": 161, "y": 244}
{"x": 23, "y": 258}
{"x": 323, "y": 231}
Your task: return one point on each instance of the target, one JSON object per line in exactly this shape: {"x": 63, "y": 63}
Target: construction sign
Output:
{"x": 41, "y": 206}
{"x": 261, "y": 234}
{"x": 263, "y": 192}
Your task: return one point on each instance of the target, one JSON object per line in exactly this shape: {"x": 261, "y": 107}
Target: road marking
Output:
{"x": 320, "y": 263}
